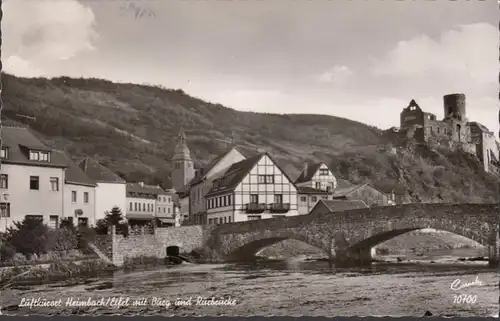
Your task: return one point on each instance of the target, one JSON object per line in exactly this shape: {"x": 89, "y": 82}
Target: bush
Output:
{"x": 29, "y": 237}
{"x": 62, "y": 239}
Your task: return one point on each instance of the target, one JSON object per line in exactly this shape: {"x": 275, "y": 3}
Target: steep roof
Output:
{"x": 98, "y": 172}
{"x": 19, "y": 141}
{"x": 138, "y": 190}
{"x": 343, "y": 183}
{"x": 74, "y": 174}
{"x": 340, "y": 206}
{"x": 235, "y": 174}
{"x": 310, "y": 190}
{"x": 312, "y": 168}
{"x": 205, "y": 170}
{"x": 344, "y": 191}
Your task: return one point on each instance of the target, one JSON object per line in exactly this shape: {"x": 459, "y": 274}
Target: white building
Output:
{"x": 203, "y": 182}
{"x": 31, "y": 179}
{"x": 316, "y": 182}
{"x": 110, "y": 190}
{"x": 79, "y": 195}
{"x": 252, "y": 189}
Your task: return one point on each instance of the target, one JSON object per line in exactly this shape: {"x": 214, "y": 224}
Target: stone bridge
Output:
{"x": 347, "y": 237}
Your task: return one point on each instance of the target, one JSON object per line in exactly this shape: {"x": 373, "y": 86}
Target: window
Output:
{"x": 314, "y": 198}
{"x": 83, "y": 221}
{"x": 53, "y": 221}
{"x": 168, "y": 210}
{"x": 159, "y": 209}
{"x": 86, "y": 197}
{"x": 266, "y": 179}
{"x": 229, "y": 200}
{"x": 210, "y": 221}
{"x": 225, "y": 219}
{"x": 35, "y": 217}
{"x": 34, "y": 155}
{"x": 324, "y": 172}
{"x": 44, "y": 156}
{"x": 254, "y": 198}
{"x": 278, "y": 199}
{"x": 4, "y": 153}
{"x": 318, "y": 185}
{"x": 177, "y": 165}
{"x": 303, "y": 199}
{"x": 131, "y": 206}
{"x": 135, "y": 206}
{"x": 73, "y": 197}
{"x": 437, "y": 130}
{"x": 224, "y": 201}
{"x": 54, "y": 184}
{"x": 4, "y": 181}
{"x": 229, "y": 219}
{"x": 144, "y": 207}
{"x": 34, "y": 182}
{"x": 4, "y": 209}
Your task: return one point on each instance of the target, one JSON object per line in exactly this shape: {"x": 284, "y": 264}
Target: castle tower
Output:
{"x": 454, "y": 107}
{"x": 183, "y": 169}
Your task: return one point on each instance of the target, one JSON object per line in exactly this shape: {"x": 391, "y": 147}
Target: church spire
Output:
{"x": 181, "y": 150}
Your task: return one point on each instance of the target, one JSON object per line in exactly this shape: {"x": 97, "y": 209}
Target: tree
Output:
{"x": 114, "y": 217}
{"x": 29, "y": 237}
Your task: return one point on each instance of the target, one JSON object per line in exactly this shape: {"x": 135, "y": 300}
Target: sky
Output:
{"x": 362, "y": 60}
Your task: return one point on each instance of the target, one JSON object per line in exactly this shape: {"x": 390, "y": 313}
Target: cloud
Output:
{"x": 465, "y": 57}
{"x": 21, "y": 67}
{"x": 337, "y": 75}
{"x": 37, "y": 33}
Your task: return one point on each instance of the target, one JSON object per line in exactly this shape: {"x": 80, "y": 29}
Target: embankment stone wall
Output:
{"x": 187, "y": 238}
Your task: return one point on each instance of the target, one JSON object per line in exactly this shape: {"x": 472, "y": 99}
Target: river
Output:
{"x": 292, "y": 287}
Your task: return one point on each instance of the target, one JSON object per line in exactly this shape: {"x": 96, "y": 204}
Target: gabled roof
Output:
{"x": 343, "y": 183}
{"x": 234, "y": 175}
{"x": 340, "y": 206}
{"x": 98, "y": 172}
{"x": 312, "y": 168}
{"x": 310, "y": 190}
{"x": 205, "y": 170}
{"x": 237, "y": 172}
{"x": 138, "y": 190}
{"x": 345, "y": 191}
{"x": 74, "y": 174}
{"x": 19, "y": 141}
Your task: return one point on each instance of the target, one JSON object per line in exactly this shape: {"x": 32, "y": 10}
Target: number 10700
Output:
{"x": 464, "y": 298}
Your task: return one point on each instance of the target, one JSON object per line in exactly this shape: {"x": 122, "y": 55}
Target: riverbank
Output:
{"x": 273, "y": 288}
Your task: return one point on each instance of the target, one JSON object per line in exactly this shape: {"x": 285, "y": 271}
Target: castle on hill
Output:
{"x": 453, "y": 131}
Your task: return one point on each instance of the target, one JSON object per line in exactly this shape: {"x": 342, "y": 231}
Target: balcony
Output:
{"x": 279, "y": 207}
{"x": 255, "y": 207}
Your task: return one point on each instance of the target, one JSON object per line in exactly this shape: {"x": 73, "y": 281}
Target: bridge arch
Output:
{"x": 380, "y": 232}
{"x": 247, "y": 247}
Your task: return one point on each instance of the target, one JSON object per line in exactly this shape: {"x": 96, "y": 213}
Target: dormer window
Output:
{"x": 4, "y": 153}
{"x": 34, "y": 155}
{"x": 39, "y": 156}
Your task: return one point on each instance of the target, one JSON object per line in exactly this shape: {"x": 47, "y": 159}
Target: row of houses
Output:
{"x": 235, "y": 188}
{"x": 37, "y": 181}
{"x": 40, "y": 182}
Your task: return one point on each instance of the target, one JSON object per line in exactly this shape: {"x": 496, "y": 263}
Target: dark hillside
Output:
{"x": 132, "y": 129}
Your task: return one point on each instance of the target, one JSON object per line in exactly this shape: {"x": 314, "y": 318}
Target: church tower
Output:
{"x": 183, "y": 169}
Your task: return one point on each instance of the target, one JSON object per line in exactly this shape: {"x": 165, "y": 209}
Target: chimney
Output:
{"x": 141, "y": 184}
{"x": 305, "y": 169}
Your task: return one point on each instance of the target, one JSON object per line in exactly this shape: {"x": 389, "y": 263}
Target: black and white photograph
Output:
{"x": 249, "y": 158}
